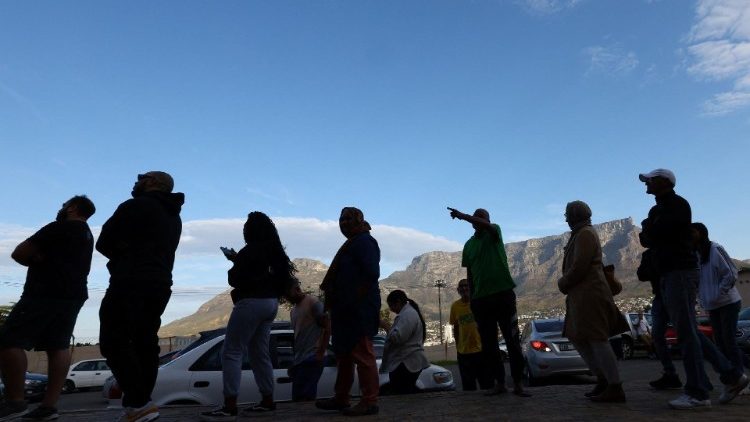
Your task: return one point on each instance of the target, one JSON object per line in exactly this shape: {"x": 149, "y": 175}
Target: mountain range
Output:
{"x": 535, "y": 264}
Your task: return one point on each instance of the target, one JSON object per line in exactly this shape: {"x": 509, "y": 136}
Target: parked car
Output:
{"x": 704, "y": 326}
{"x": 547, "y": 352}
{"x": 630, "y": 341}
{"x": 195, "y": 376}
{"x": 34, "y": 387}
{"x": 86, "y": 374}
{"x": 503, "y": 349}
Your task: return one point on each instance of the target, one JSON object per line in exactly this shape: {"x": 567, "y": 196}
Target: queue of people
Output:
{"x": 141, "y": 237}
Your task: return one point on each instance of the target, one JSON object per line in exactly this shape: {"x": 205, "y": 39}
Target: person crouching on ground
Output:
{"x": 403, "y": 354}
{"x": 311, "y": 333}
{"x": 591, "y": 315}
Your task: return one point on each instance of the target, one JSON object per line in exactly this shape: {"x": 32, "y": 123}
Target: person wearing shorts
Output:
{"x": 59, "y": 260}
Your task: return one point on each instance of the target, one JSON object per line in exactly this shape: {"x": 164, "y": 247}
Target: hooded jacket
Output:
{"x": 141, "y": 237}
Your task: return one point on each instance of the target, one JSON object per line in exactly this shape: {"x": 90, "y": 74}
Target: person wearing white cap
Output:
{"x": 677, "y": 265}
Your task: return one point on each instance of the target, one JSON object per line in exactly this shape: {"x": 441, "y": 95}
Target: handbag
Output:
{"x": 615, "y": 286}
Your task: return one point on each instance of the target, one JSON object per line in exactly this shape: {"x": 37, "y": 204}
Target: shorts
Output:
{"x": 40, "y": 323}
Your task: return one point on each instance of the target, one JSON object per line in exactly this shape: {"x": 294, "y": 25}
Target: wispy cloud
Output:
{"x": 23, "y": 101}
{"x": 610, "y": 60}
{"x": 547, "y": 7}
{"x": 283, "y": 197}
{"x": 719, "y": 50}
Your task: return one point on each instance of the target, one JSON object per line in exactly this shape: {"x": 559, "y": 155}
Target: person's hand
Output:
{"x": 455, "y": 213}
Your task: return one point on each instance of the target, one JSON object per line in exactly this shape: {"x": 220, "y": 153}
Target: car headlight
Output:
{"x": 31, "y": 383}
{"x": 442, "y": 377}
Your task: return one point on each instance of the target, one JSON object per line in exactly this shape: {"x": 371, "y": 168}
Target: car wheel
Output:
{"x": 69, "y": 386}
{"x": 531, "y": 381}
{"x": 627, "y": 348}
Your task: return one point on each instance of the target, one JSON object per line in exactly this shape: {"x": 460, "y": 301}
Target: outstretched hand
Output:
{"x": 455, "y": 213}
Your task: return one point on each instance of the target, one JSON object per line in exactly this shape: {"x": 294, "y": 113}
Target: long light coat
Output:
{"x": 590, "y": 310}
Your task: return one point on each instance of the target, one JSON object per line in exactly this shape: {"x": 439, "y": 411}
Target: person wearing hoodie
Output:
{"x": 719, "y": 296}
{"x": 140, "y": 240}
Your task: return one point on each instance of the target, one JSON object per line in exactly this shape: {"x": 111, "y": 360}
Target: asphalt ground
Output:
{"x": 561, "y": 399}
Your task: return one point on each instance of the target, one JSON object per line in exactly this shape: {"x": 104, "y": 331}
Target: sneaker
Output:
{"x": 259, "y": 408}
{"x": 666, "y": 382}
{"x": 221, "y": 414}
{"x": 331, "y": 404}
{"x": 149, "y": 412}
{"x": 685, "y": 402}
{"x": 733, "y": 390}
{"x": 12, "y": 409}
{"x": 41, "y": 413}
{"x": 361, "y": 409}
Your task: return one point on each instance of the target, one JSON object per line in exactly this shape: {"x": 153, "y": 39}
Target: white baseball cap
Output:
{"x": 667, "y": 174}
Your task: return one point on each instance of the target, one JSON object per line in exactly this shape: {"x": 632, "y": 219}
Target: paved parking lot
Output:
{"x": 555, "y": 401}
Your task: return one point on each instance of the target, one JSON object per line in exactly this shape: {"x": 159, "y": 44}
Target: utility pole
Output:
{"x": 440, "y": 284}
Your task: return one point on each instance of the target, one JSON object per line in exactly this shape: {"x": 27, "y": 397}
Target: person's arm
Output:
{"x": 674, "y": 218}
{"x": 115, "y": 231}
{"x": 402, "y": 329}
{"x": 585, "y": 244}
{"x": 325, "y": 323}
{"x": 453, "y": 321}
{"x": 726, "y": 271}
{"x": 483, "y": 224}
{"x": 27, "y": 254}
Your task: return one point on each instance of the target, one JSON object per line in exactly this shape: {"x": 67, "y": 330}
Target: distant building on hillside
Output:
{"x": 743, "y": 285}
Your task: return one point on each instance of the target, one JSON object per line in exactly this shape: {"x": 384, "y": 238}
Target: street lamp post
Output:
{"x": 440, "y": 284}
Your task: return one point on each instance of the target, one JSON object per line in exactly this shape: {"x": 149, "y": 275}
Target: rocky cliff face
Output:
{"x": 535, "y": 265}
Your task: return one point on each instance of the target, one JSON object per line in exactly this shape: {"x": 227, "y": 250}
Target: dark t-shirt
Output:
{"x": 66, "y": 248}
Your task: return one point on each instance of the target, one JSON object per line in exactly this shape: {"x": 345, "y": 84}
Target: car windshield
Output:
{"x": 745, "y": 314}
{"x": 555, "y": 326}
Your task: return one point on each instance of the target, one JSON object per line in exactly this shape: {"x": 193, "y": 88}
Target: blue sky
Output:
{"x": 298, "y": 108}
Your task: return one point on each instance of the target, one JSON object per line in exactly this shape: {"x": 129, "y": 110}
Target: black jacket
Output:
{"x": 141, "y": 237}
{"x": 668, "y": 231}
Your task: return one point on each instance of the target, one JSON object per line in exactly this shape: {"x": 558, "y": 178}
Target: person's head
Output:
{"x": 352, "y": 222}
{"x": 396, "y": 301}
{"x": 153, "y": 181}
{"x": 79, "y": 207}
{"x": 701, "y": 241}
{"x": 294, "y": 293}
{"x": 659, "y": 181}
{"x": 483, "y": 214}
{"x": 577, "y": 212}
{"x": 463, "y": 289}
{"x": 260, "y": 228}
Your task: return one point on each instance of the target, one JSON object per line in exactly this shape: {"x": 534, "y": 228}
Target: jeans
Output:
{"x": 305, "y": 376}
{"x": 472, "y": 371}
{"x": 369, "y": 381}
{"x": 129, "y": 322}
{"x": 659, "y": 320}
{"x": 249, "y": 329}
{"x": 678, "y": 293}
{"x": 724, "y": 323}
{"x": 495, "y": 310}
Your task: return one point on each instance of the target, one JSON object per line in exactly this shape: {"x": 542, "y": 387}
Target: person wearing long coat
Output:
{"x": 591, "y": 316}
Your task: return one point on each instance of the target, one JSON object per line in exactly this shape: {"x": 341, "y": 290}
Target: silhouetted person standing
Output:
{"x": 140, "y": 240}
{"x": 677, "y": 265}
{"x": 352, "y": 296}
{"x": 493, "y": 300}
{"x": 59, "y": 260}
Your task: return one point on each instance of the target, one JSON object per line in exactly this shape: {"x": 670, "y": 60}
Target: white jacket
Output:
{"x": 404, "y": 343}
{"x": 718, "y": 276}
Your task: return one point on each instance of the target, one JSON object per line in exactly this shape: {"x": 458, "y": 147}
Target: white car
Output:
{"x": 195, "y": 377}
{"x": 87, "y": 374}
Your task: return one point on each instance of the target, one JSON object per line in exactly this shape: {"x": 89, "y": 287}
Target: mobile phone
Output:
{"x": 229, "y": 253}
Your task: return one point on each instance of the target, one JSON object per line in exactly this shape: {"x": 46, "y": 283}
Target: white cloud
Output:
{"x": 547, "y": 7}
{"x": 719, "y": 49}
{"x": 612, "y": 60}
